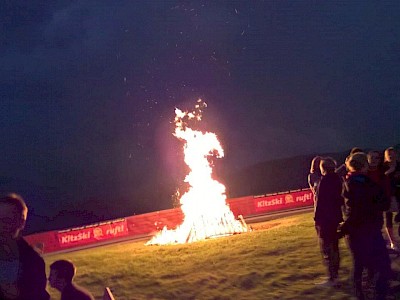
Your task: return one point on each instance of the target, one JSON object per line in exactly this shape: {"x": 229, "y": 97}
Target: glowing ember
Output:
{"x": 206, "y": 213}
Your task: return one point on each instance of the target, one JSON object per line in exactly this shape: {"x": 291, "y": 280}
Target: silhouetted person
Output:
{"x": 392, "y": 171}
{"x": 328, "y": 215}
{"x": 61, "y": 275}
{"x": 376, "y": 174}
{"x": 22, "y": 269}
{"x": 365, "y": 202}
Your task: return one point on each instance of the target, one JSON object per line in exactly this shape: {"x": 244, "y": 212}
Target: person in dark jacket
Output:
{"x": 365, "y": 202}
{"x": 61, "y": 275}
{"x": 328, "y": 216}
{"x": 22, "y": 269}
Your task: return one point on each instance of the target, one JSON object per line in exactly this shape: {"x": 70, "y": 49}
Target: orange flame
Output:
{"x": 206, "y": 213}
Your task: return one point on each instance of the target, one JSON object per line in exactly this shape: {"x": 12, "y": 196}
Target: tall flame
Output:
{"x": 206, "y": 213}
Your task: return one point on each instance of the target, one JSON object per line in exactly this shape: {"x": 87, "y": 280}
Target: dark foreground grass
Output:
{"x": 279, "y": 259}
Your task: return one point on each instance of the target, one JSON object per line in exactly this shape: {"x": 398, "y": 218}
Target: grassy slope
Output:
{"x": 280, "y": 259}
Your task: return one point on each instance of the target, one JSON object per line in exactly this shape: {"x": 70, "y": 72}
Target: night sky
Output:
{"x": 88, "y": 90}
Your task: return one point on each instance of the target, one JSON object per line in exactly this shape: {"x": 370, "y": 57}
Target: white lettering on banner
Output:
{"x": 114, "y": 231}
{"x": 75, "y": 238}
{"x": 274, "y": 201}
{"x": 304, "y": 197}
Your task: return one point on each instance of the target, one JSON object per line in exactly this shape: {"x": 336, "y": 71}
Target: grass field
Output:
{"x": 279, "y": 259}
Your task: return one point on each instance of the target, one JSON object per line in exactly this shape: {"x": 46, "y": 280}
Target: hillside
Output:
{"x": 274, "y": 176}
{"x": 59, "y": 207}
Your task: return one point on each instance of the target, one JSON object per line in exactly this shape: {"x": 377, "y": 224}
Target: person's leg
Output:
{"x": 356, "y": 244}
{"x": 382, "y": 286}
{"x": 335, "y": 259}
{"x": 381, "y": 263}
{"x": 323, "y": 247}
{"x": 329, "y": 250}
{"x": 397, "y": 216}
{"x": 389, "y": 229}
{"x": 357, "y": 277}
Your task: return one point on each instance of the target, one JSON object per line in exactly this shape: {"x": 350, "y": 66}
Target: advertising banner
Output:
{"x": 283, "y": 201}
{"x": 92, "y": 233}
{"x": 139, "y": 225}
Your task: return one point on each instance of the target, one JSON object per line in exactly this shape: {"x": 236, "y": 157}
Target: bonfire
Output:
{"x": 206, "y": 213}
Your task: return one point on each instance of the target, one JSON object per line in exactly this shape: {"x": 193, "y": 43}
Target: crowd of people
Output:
{"x": 22, "y": 269}
{"x": 358, "y": 201}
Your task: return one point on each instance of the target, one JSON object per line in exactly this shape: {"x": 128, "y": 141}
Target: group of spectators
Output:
{"x": 22, "y": 269}
{"x": 358, "y": 200}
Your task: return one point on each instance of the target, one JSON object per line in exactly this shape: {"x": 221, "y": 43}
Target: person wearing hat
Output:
{"x": 22, "y": 269}
{"x": 365, "y": 202}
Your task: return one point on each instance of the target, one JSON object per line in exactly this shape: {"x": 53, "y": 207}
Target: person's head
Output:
{"x": 355, "y": 150}
{"x": 390, "y": 154}
{"x": 315, "y": 164}
{"x": 61, "y": 274}
{"x": 357, "y": 162}
{"x": 327, "y": 165}
{"x": 374, "y": 159}
{"x": 13, "y": 213}
{"x": 352, "y": 151}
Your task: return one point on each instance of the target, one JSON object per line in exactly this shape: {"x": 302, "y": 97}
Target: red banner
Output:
{"x": 283, "y": 201}
{"x": 92, "y": 233}
{"x": 145, "y": 224}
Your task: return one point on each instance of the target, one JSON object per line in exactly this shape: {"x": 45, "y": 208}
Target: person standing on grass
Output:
{"x": 22, "y": 269}
{"x": 392, "y": 171}
{"x": 328, "y": 215}
{"x": 365, "y": 202}
{"x": 376, "y": 174}
{"x": 61, "y": 275}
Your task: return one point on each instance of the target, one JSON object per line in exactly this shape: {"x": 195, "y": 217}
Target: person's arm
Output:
{"x": 381, "y": 194}
{"x": 33, "y": 279}
{"x": 310, "y": 183}
{"x": 347, "y": 209}
{"x": 321, "y": 190}
{"x": 40, "y": 281}
{"x": 390, "y": 169}
{"x": 341, "y": 170}
{"x": 313, "y": 182}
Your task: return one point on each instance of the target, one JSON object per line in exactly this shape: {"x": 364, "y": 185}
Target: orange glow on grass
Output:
{"x": 206, "y": 213}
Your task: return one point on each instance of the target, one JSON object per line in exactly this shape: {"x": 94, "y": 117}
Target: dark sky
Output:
{"x": 88, "y": 88}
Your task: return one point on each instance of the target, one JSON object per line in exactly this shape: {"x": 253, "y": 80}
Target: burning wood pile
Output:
{"x": 206, "y": 213}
